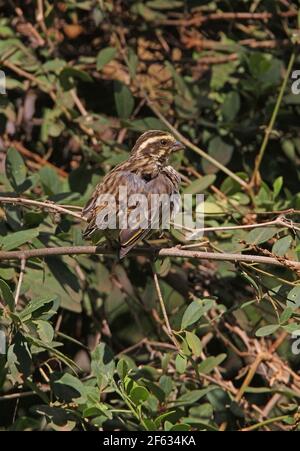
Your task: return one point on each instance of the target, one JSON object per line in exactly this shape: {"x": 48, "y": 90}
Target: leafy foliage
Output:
{"x": 85, "y": 347}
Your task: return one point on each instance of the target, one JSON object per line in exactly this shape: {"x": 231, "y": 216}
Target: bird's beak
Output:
{"x": 178, "y": 146}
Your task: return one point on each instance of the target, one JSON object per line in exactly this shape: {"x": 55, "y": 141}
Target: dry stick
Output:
{"x": 17, "y": 395}
{"x": 250, "y": 375}
{"x": 44, "y": 205}
{"x": 159, "y": 252}
{"x": 198, "y": 20}
{"x": 270, "y": 405}
{"x": 85, "y": 114}
{"x": 163, "y": 308}
{"x": 33, "y": 31}
{"x": 280, "y": 221}
{"x": 209, "y": 44}
{"x": 269, "y": 128}
{"x": 195, "y": 148}
{"x": 21, "y": 275}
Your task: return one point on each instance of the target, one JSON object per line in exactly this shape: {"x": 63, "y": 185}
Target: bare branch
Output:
{"x": 160, "y": 252}
{"x": 22, "y": 270}
{"x": 46, "y": 205}
{"x": 163, "y": 308}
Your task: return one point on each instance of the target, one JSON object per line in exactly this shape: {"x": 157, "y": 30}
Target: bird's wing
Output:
{"x": 95, "y": 209}
{"x": 159, "y": 185}
{"x": 134, "y": 184}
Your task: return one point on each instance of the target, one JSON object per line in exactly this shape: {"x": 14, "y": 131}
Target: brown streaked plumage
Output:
{"x": 145, "y": 172}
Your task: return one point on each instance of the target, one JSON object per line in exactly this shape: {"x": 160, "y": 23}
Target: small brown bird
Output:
{"x": 145, "y": 172}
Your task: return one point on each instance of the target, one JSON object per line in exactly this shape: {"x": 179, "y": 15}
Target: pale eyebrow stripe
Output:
{"x": 152, "y": 140}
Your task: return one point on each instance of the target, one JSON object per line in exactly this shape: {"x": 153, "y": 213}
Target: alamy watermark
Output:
{"x": 2, "y": 342}
{"x": 2, "y": 82}
{"x": 151, "y": 211}
{"x": 296, "y": 342}
{"x": 296, "y": 83}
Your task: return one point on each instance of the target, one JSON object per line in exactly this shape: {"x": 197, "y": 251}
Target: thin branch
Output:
{"x": 200, "y": 19}
{"x": 270, "y": 127}
{"x": 265, "y": 423}
{"x": 159, "y": 252}
{"x": 21, "y": 275}
{"x": 17, "y": 395}
{"x": 163, "y": 308}
{"x": 250, "y": 375}
{"x": 280, "y": 221}
{"x": 48, "y": 205}
{"x": 195, "y": 148}
{"x": 44, "y": 205}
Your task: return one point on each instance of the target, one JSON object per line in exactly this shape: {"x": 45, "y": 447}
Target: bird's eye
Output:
{"x": 163, "y": 142}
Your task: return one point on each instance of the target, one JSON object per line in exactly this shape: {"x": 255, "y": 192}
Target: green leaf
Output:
{"x": 265, "y": 69}
{"x": 231, "y": 105}
{"x": 68, "y": 76}
{"x": 15, "y": 169}
{"x": 45, "y": 330}
{"x": 51, "y": 182}
{"x": 180, "y": 363}
{"x": 16, "y": 239}
{"x": 282, "y": 246}
{"x": 139, "y": 395}
{"x": 19, "y": 359}
{"x": 123, "y": 99}
{"x": 220, "y": 151}
{"x": 166, "y": 384}
{"x": 293, "y": 298}
{"x": 288, "y": 147}
{"x": 41, "y": 309}
{"x": 261, "y": 235}
{"x": 58, "y": 418}
{"x": 7, "y": 295}
{"x": 122, "y": 369}
{"x": 200, "y": 185}
{"x": 147, "y": 123}
{"x": 162, "y": 418}
{"x": 67, "y": 387}
{"x": 43, "y": 345}
{"x": 221, "y": 74}
{"x": 210, "y": 363}
{"x": 103, "y": 365}
{"x": 267, "y": 330}
{"x": 58, "y": 280}
{"x": 105, "y": 56}
{"x": 194, "y": 312}
{"x": 193, "y": 396}
{"x": 291, "y": 328}
{"x": 132, "y": 62}
{"x": 194, "y": 343}
{"x": 181, "y": 427}
{"x": 7, "y": 273}
{"x": 286, "y": 315}
{"x": 277, "y": 185}
{"x": 210, "y": 208}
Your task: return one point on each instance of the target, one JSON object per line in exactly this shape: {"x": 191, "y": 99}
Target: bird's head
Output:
{"x": 157, "y": 146}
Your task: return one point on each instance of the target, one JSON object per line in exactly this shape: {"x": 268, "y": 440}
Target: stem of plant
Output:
{"x": 269, "y": 128}
{"x": 163, "y": 308}
{"x": 195, "y": 148}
